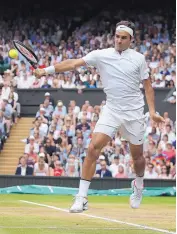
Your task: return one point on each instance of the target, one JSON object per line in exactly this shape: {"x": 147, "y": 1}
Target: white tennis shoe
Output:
{"x": 80, "y": 204}
{"x": 137, "y": 195}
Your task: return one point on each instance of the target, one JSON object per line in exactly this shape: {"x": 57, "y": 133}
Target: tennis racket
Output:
{"x": 27, "y": 53}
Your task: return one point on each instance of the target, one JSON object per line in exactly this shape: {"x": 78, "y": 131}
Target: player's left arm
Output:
{"x": 149, "y": 93}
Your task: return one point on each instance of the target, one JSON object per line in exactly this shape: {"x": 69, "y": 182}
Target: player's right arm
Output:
{"x": 91, "y": 59}
{"x": 67, "y": 65}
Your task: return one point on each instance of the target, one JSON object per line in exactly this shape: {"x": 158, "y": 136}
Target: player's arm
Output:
{"x": 67, "y": 65}
{"x": 149, "y": 93}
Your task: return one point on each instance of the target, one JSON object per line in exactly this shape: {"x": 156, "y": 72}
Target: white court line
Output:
{"x": 66, "y": 228}
{"x": 102, "y": 218}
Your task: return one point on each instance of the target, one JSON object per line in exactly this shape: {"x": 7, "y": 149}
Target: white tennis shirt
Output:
{"x": 121, "y": 75}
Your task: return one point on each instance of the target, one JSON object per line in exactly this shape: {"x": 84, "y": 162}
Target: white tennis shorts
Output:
{"x": 110, "y": 122}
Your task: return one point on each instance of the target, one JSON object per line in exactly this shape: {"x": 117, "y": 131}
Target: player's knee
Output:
{"x": 137, "y": 156}
{"x": 94, "y": 150}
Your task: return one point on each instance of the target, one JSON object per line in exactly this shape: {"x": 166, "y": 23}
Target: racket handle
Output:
{"x": 34, "y": 65}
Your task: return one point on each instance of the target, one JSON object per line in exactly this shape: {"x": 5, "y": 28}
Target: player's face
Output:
{"x": 122, "y": 40}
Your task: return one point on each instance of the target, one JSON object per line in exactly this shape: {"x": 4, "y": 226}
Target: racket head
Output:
{"x": 26, "y": 52}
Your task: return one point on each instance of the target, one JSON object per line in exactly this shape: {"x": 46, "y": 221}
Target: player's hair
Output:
{"x": 128, "y": 24}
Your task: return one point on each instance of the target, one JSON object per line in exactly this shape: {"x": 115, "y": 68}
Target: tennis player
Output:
{"x": 122, "y": 70}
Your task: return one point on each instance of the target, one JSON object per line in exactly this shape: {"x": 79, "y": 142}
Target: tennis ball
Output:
{"x": 13, "y": 53}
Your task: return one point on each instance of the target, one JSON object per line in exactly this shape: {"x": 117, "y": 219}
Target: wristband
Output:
{"x": 50, "y": 70}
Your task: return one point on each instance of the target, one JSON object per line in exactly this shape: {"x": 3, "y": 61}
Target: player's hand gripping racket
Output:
{"x": 27, "y": 53}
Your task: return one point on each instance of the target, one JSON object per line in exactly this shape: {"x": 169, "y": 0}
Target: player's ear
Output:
{"x": 132, "y": 39}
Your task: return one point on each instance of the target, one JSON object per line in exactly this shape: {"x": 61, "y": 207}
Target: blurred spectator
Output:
{"x": 23, "y": 169}
{"x": 103, "y": 172}
{"x": 57, "y": 170}
{"x": 41, "y": 168}
{"x": 121, "y": 172}
{"x": 150, "y": 172}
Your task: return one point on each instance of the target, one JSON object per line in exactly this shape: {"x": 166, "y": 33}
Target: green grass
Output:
{"x": 17, "y": 217}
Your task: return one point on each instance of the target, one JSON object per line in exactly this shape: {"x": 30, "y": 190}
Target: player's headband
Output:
{"x": 125, "y": 28}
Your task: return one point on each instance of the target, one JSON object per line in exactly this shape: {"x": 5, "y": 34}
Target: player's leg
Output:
{"x": 104, "y": 130}
{"x": 139, "y": 167}
{"x": 134, "y": 133}
{"x": 138, "y": 159}
{"x": 99, "y": 140}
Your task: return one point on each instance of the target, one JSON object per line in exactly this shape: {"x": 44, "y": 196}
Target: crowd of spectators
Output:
{"x": 154, "y": 37}
{"x": 59, "y": 140}
{"x": 9, "y": 110}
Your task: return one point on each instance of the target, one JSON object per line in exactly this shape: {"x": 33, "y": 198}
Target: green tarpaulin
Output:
{"x": 38, "y": 189}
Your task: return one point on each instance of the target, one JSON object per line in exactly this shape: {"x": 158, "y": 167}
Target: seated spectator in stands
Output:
{"x": 103, "y": 172}
{"x": 152, "y": 148}
{"x": 18, "y": 106}
{"x": 92, "y": 84}
{"x": 163, "y": 142}
{"x": 25, "y": 81}
{"x": 114, "y": 166}
{"x": 159, "y": 154}
{"x": 13, "y": 104}
{"x": 48, "y": 97}
{"x": 5, "y": 91}
{"x": 78, "y": 148}
{"x": 36, "y": 84}
{"x": 49, "y": 147}
{"x": 99, "y": 82}
{"x": 55, "y": 157}
{"x": 31, "y": 159}
{"x": 96, "y": 113}
{"x": 48, "y": 109}
{"x": 170, "y": 152}
{"x": 68, "y": 84}
{"x": 159, "y": 83}
{"x": 59, "y": 110}
{"x": 121, "y": 172}
{"x": 37, "y": 138}
{"x": 154, "y": 135}
{"x": 43, "y": 126}
{"x": 125, "y": 146}
{"x": 163, "y": 173}
{"x": 83, "y": 112}
{"x": 64, "y": 148}
{"x": 8, "y": 111}
{"x": 150, "y": 172}
{"x": 31, "y": 146}
{"x": 23, "y": 169}
{"x": 46, "y": 85}
{"x": 42, "y": 114}
{"x": 41, "y": 168}
{"x": 2, "y": 128}
{"x": 170, "y": 133}
{"x": 146, "y": 142}
{"x": 71, "y": 169}
{"x": 83, "y": 124}
{"x": 58, "y": 170}
{"x": 76, "y": 109}
{"x": 69, "y": 127}
{"x": 90, "y": 111}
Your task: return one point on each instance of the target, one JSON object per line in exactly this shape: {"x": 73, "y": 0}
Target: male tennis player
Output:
{"x": 121, "y": 70}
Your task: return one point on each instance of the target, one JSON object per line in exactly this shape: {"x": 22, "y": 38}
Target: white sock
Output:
{"x": 83, "y": 188}
{"x": 139, "y": 181}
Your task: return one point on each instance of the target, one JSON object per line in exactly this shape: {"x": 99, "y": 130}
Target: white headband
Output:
{"x": 125, "y": 28}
